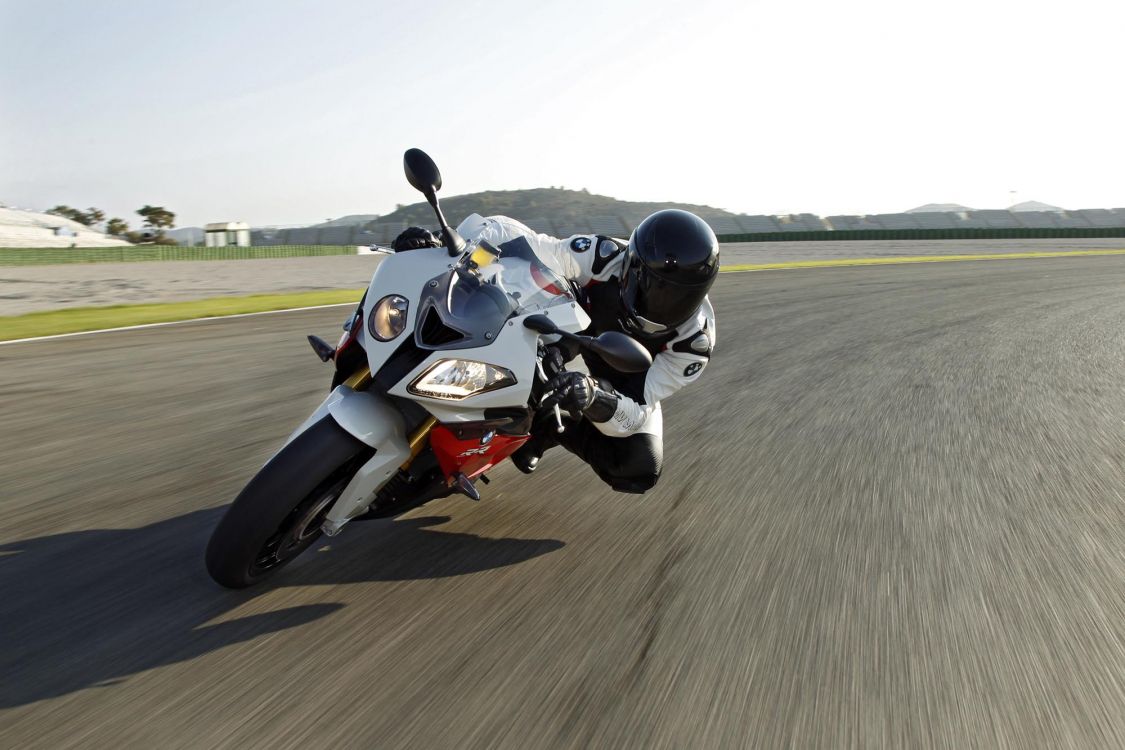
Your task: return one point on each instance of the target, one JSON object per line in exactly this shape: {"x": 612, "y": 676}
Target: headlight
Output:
{"x": 456, "y": 379}
{"x": 388, "y": 319}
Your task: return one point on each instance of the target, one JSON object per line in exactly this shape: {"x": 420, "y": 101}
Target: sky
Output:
{"x": 292, "y": 111}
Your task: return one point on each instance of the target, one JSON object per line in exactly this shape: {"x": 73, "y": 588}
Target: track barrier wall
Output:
{"x": 133, "y": 253}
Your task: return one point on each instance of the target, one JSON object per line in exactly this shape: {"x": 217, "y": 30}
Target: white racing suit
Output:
{"x": 627, "y": 450}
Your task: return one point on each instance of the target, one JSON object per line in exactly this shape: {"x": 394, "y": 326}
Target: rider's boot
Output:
{"x": 526, "y": 457}
{"x": 544, "y": 435}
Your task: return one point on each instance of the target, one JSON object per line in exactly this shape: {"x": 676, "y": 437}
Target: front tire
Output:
{"x": 278, "y": 514}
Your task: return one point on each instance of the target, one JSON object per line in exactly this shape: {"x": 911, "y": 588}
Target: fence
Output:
{"x": 10, "y": 256}
{"x": 134, "y": 253}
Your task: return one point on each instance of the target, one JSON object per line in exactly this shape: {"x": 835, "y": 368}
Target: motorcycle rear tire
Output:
{"x": 278, "y": 514}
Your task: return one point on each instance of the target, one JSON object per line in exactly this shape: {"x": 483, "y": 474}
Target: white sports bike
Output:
{"x": 439, "y": 375}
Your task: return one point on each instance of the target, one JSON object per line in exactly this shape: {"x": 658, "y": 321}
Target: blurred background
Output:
{"x": 295, "y": 114}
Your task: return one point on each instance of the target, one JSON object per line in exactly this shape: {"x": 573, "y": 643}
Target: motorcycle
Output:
{"x": 438, "y": 378}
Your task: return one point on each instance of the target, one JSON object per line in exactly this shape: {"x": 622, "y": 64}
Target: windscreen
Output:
{"x": 511, "y": 269}
{"x": 486, "y": 287}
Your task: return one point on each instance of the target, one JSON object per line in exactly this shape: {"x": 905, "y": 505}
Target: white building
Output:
{"x": 20, "y": 228}
{"x": 227, "y": 234}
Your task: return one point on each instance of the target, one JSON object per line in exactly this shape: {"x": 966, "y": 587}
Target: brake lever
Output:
{"x": 558, "y": 412}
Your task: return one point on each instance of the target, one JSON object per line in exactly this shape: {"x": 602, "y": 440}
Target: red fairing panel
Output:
{"x": 350, "y": 335}
{"x": 468, "y": 456}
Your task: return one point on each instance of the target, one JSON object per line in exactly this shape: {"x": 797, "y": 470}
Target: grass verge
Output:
{"x": 77, "y": 319}
{"x": 845, "y": 262}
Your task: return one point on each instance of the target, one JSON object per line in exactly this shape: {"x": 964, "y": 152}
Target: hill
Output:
{"x": 1035, "y": 206}
{"x": 350, "y": 220}
{"x": 558, "y": 204}
{"x": 935, "y": 208}
{"x": 553, "y": 210}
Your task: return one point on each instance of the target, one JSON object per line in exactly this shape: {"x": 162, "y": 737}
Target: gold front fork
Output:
{"x": 418, "y": 440}
{"x": 360, "y": 380}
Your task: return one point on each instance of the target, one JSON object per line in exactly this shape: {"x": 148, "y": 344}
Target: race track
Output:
{"x": 893, "y": 515}
{"x": 25, "y": 289}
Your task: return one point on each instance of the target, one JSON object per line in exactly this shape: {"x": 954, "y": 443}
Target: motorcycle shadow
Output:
{"x": 90, "y": 608}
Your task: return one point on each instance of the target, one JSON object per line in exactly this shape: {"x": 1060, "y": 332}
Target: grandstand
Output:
{"x": 303, "y": 236}
{"x": 1037, "y": 219}
{"x": 993, "y": 219}
{"x": 20, "y": 228}
{"x": 801, "y": 223}
{"x": 928, "y": 220}
{"x": 1100, "y": 217}
{"x": 725, "y": 225}
{"x": 608, "y": 225}
{"x": 336, "y": 235}
{"x": 753, "y": 224}
{"x": 895, "y": 221}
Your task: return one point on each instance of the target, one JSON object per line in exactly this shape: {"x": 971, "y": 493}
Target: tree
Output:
{"x": 157, "y": 218}
{"x": 66, "y": 212}
{"x": 93, "y": 216}
{"x": 88, "y": 217}
{"x": 116, "y": 226}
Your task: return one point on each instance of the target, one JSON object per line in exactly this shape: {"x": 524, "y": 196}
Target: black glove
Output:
{"x": 414, "y": 238}
{"x": 557, "y": 355}
{"x": 581, "y": 395}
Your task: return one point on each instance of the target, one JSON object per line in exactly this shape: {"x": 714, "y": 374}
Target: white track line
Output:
{"x": 176, "y": 323}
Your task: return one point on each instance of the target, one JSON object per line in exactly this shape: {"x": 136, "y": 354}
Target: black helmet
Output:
{"x": 671, "y": 262}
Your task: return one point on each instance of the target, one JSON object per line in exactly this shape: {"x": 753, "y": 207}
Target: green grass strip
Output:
{"x": 960, "y": 233}
{"x": 77, "y": 319}
{"x": 903, "y": 259}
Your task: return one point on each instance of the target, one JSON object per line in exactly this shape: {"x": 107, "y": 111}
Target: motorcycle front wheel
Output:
{"x": 277, "y": 516}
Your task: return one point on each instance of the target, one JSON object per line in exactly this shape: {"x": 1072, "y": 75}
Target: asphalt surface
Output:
{"x": 26, "y": 289}
{"x": 892, "y": 516}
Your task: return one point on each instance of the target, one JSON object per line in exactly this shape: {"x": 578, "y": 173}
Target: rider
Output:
{"x": 653, "y": 288}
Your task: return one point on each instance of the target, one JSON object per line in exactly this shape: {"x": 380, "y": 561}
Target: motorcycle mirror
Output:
{"x": 423, "y": 175}
{"x": 421, "y": 171}
{"x": 540, "y": 324}
{"x": 620, "y": 352}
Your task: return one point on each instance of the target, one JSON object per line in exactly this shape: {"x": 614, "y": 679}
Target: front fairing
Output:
{"x": 407, "y": 274}
{"x": 513, "y": 349}
{"x": 422, "y": 277}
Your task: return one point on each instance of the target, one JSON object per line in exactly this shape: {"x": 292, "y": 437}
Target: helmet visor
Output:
{"x": 655, "y": 302}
